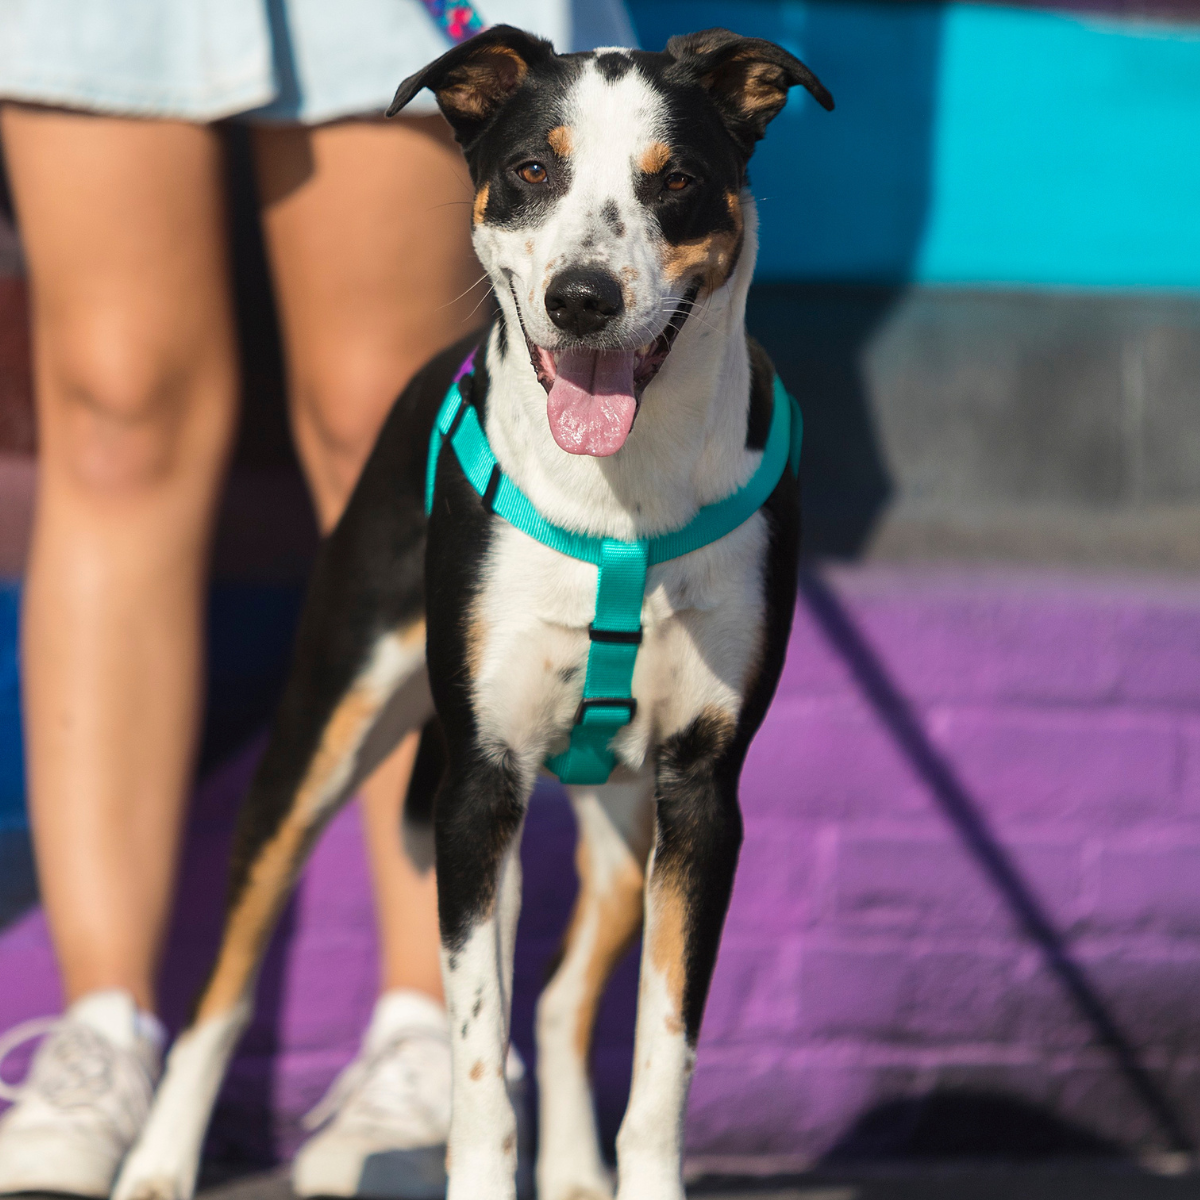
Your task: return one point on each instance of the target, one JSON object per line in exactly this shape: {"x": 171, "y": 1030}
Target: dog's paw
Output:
{"x": 152, "y": 1187}
{"x": 157, "y": 1187}
{"x": 644, "y": 1192}
{"x": 575, "y": 1186}
{"x": 154, "y": 1173}
{"x": 651, "y": 1183}
{"x": 587, "y": 1191}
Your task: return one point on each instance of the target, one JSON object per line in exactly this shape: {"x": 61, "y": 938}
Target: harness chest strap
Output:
{"x": 616, "y": 629}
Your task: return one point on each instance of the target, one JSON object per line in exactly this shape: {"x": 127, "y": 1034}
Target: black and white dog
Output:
{"x": 619, "y": 393}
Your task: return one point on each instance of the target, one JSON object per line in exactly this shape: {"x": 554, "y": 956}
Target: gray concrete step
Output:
{"x": 1050, "y": 1182}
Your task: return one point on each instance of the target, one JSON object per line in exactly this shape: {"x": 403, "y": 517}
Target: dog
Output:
{"x": 614, "y": 408}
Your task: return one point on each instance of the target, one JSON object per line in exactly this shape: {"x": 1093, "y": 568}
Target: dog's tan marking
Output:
{"x": 481, "y": 199}
{"x": 477, "y": 85}
{"x": 474, "y": 644}
{"x": 654, "y": 158}
{"x": 711, "y": 257}
{"x": 707, "y": 40}
{"x": 616, "y": 915}
{"x": 668, "y": 920}
{"x": 476, "y": 1071}
{"x": 249, "y": 924}
{"x": 667, "y": 931}
{"x": 529, "y": 246}
{"x": 755, "y": 87}
{"x": 629, "y": 275}
{"x": 561, "y": 140}
{"x": 720, "y": 724}
{"x": 764, "y": 89}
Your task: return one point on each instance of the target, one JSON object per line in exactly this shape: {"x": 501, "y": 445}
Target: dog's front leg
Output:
{"x": 613, "y": 841}
{"x": 698, "y": 831}
{"x": 478, "y": 817}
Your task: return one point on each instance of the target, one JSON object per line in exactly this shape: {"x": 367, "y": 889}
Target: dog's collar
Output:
{"x": 616, "y": 631}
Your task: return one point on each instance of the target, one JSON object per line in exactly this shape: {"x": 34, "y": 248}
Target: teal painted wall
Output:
{"x": 12, "y": 770}
{"x": 974, "y": 144}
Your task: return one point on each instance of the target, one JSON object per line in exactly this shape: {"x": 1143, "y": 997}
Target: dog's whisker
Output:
{"x": 467, "y": 291}
{"x": 482, "y": 300}
{"x": 698, "y": 314}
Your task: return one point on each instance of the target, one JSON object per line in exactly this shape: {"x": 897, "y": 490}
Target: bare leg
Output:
{"x": 134, "y": 367}
{"x": 405, "y": 897}
{"x": 368, "y": 229}
{"x": 614, "y": 837}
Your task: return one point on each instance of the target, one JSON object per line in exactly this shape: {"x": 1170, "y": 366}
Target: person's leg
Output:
{"x": 122, "y": 223}
{"x": 368, "y": 228}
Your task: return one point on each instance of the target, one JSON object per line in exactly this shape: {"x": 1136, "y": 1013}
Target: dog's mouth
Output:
{"x": 593, "y": 396}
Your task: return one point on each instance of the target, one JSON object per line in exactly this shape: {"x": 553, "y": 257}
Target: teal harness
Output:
{"x": 616, "y": 629}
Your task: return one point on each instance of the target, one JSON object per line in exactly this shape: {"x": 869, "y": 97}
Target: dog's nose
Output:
{"x": 582, "y": 300}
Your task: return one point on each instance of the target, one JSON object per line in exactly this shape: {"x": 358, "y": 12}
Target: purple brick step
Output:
{"x": 868, "y": 962}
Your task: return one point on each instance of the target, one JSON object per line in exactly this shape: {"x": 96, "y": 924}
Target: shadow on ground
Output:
{"x": 964, "y": 1125}
{"x": 1057, "y": 1181}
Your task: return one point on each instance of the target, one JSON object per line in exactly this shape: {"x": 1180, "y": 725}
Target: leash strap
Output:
{"x": 616, "y": 630}
{"x": 457, "y": 19}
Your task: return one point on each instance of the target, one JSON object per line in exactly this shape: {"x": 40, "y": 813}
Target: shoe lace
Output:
{"x": 79, "y": 1073}
{"x": 18, "y": 1035}
{"x": 378, "y": 1087}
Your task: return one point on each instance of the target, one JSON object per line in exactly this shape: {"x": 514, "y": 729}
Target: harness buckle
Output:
{"x": 488, "y": 499}
{"x": 626, "y": 702}
{"x": 620, "y": 637}
{"x": 457, "y": 419}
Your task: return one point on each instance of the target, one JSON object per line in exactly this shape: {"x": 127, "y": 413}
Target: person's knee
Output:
{"x": 124, "y": 417}
{"x": 339, "y": 415}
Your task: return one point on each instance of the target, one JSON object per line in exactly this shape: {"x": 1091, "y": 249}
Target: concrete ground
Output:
{"x": 1052, "y": 1182}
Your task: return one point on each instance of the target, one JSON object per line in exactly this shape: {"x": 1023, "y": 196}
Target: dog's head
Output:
{"x": 608, "y": 195}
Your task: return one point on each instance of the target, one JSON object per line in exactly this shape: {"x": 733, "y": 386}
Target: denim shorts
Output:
{"x": 263, "y": 60}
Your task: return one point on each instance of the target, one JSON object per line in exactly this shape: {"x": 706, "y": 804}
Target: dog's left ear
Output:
{"x": 473, "y": 80}
{"x": 748, "y": 78}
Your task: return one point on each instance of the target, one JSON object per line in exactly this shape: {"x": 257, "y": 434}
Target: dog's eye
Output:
{"x": 676, "y": 181}
{"x": 533, "y": 172}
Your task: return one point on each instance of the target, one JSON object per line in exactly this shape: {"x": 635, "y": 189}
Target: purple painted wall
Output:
{"x": 866, "y": 956}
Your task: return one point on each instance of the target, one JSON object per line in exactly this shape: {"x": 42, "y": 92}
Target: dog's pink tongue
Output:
{"x": 591, "y": 405}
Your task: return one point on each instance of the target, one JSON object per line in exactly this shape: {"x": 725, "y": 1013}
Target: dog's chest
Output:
{"x": 702, "y": 630}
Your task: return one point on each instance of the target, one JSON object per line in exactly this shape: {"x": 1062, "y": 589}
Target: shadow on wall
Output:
{"x": 816, "y": 336}
{"x": 857, "y": 184}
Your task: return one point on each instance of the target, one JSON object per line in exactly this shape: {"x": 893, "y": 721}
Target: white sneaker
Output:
{"x": 85, "y": 1099}
{"x": 387, "y": 1115}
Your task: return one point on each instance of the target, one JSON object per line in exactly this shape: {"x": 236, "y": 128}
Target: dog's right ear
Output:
{"x": 473, "y": 80}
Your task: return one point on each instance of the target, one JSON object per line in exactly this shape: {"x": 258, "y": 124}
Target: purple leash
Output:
{"x": 457, "y": 19}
